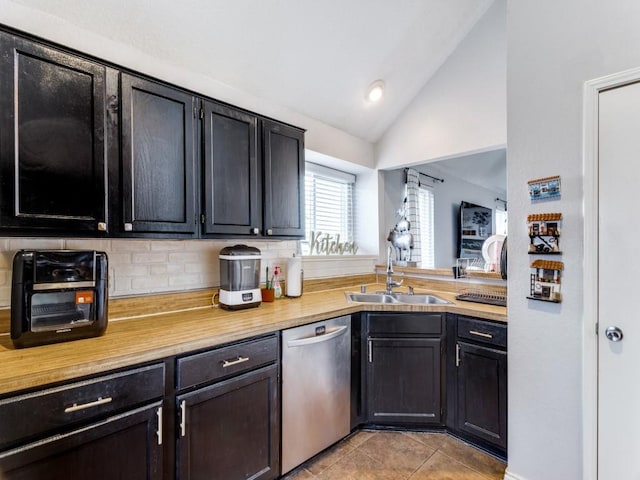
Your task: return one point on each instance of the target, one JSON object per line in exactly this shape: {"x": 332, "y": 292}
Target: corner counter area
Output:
{"x": 176, "y": 378}
{"x": 148, "y": 328}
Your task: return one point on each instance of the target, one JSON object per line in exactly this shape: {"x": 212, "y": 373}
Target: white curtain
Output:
{"x": 412, "y": 187}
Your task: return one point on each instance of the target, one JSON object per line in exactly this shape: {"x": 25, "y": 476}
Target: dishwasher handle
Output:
{"x": 317, "y": 338}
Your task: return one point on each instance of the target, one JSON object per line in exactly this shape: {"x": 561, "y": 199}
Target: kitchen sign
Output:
{"x": 328, "y": 244}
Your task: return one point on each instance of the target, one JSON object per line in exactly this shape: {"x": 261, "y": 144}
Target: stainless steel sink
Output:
{"x": 419, "y": 298}
{"x": 395, "y": 298}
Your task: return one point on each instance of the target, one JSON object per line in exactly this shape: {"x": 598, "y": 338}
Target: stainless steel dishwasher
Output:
{"x": 316, "y": 382}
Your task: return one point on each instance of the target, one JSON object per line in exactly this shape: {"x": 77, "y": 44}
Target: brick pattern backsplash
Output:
{"x": 139, "y": 267}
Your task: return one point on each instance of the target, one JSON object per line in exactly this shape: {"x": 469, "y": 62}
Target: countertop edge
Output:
{"x": 119, "y": 347}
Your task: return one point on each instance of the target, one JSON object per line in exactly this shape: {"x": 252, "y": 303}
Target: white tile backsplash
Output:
{"x": 138, "y": 267}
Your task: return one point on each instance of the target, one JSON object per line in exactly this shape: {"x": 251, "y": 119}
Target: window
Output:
{"x": 328, "y": 205}
{"x": 425, "y": 213}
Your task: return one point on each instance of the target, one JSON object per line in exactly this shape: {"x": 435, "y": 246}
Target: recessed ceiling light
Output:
{"x": 375, "y": 91}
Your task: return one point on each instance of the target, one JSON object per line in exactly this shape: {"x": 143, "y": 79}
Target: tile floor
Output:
{"x": 390, "y": 455}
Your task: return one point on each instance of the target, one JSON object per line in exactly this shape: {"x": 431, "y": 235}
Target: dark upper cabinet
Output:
{"x": 283, "y": 161}
{"x": 88, "y": 150}
{"x": 232, "y": 192}
{"x": 53, "y": 116}
{"x": 158, "y": 166}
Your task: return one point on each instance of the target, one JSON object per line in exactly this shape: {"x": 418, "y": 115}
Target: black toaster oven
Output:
{"x": 58, "y": 295}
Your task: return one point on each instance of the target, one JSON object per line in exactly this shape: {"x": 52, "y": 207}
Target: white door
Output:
{"x": 619, "y": 278}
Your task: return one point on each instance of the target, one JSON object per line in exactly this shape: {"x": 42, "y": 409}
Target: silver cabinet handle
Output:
{"x": 183, "y": 418}
{"x": 480, "y": 334}
{"x": 102, "y": 226}
{"x": 128, "y": 227}
{"x": 269, "y": 231}
{"x": 255, "y": 230}
{"x": 457, "y": 354}
{"x": 83, "y": 406}
{"x": 159, "y": 432}
{"x": 614, "y": 334}
{"x": 236, "y": 361}
{"x": 370, "y": 351}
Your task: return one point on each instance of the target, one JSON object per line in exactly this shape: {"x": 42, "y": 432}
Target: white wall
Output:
{"x": 553, "y": 48}
{"x": 462, "y": 109}
{"x": 319, "y": 137}
{"x": 447, "y": 198}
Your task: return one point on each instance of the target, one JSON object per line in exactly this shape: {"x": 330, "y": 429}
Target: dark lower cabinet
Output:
{"x": 403, "y": 378}
{"x": 404, "y": 369}
{"x": 482, "y": 393}
{"x": 158, "y": 166}
{"x": 477, "y": 386}
{"x": 230, "y": 430}
{"x": 126, "y": 446}
{"x": 53, "y": 114}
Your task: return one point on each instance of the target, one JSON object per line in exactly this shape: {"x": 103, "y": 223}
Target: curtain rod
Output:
{"x": 435, "y": 179}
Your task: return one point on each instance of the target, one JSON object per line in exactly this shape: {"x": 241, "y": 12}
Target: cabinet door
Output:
{"x": 158, "y": 158}
{"x": 403, "y": 381}
{"x": 283, "y": 180}
{"x": 482, "y": 393}
{"x": 230, "y": 430}
{"x": 52, "y": 140}
{"x": 231, "y": 189}
{"x": 126, "y": 446}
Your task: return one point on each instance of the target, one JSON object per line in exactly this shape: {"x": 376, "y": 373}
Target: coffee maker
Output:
{"x": 240, "y": 277}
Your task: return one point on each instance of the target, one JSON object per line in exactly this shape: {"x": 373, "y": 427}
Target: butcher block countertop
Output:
{"x": 152, "y": 328}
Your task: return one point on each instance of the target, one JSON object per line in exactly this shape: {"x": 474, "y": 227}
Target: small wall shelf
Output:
{"x": 545, "y": 281}
{"x": 544, "y": 233}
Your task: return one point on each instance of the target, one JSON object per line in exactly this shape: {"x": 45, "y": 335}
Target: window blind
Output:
{"x": 329, "y": 202}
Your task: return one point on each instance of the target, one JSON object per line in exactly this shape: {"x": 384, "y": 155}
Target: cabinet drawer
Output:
{"x": 223, "y": 362}
{"x": 26, "y": 416}
{"x": 405, "y": 324}
{"x": 482, "y": 331}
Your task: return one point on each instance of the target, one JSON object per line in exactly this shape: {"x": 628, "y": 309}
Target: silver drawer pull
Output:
{"x": 183, "y": 418}
{"x": 480, "y": 334}
{"x": 83, "y": 406}
{"x": 236, "y": 361}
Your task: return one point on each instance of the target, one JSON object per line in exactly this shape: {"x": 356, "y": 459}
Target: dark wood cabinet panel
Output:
{"x": 123, "y": 447}
{"x": 231, "y": 430}
{"x": 221, "y": 363}
{"x": 404, "y": 381}
{"x": 482, "y": 393}
{"x": 29, "y": 416}
{"x": 158, "y": 158}
{"x": 283, "y": 152}
{"x": 232, "y": 193}
{"x": 52, "y": 140}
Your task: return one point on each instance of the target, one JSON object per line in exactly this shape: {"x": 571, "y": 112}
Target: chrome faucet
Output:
{"x": 390, "y": 282}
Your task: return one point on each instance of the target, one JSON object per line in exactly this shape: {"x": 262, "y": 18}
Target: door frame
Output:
{"x": 592, "y": 90}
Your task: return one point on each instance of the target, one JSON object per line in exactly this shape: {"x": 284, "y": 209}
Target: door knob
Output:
{"x": 614, "y": 334}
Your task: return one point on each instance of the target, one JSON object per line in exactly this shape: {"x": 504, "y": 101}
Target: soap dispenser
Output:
{"x": 277, "y": 287}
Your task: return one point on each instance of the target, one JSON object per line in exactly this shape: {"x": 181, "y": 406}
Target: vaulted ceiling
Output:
{"x": 316, "y": 57}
